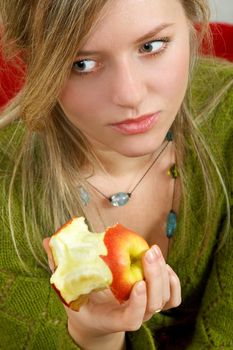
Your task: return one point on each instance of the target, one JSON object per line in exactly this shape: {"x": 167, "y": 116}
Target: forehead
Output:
{"x": 125, "y": 20}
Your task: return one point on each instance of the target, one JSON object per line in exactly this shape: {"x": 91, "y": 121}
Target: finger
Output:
{"x": 153, "y": 270}
{"x": 166, "y": 284}
{"x": 49, "y": 253}
{"x": 175, "y": 290}
{"x": 133, "y": 313}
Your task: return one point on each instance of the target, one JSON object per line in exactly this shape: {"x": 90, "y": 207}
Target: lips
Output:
{"x": 136, "y": 126}
{"x": 135, "y": 120}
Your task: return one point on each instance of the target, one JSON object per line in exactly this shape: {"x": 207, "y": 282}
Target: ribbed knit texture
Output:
{"x": 32, "y": 316}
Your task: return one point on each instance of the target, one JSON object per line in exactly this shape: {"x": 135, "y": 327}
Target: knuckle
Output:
{"x": 176, "y": 280}
{"x": 134, "y": 326}
{"x": 178, "y": 301}
{"x": 130, "y": 324}
{"x": 151, "y": 310}
{"x": 154, "y": 272}
{"x": 167, "y": 298}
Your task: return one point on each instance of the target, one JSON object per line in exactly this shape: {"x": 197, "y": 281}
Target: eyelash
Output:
{"x": 165, "y": 40}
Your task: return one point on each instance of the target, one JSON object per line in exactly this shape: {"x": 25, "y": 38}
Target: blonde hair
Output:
{"x": 48, "y": 34}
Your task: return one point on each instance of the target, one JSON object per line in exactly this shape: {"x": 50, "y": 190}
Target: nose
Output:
{"x": 128, "y": 85}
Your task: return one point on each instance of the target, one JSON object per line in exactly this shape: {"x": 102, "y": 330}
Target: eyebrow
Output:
{"x": 145, "y": 37}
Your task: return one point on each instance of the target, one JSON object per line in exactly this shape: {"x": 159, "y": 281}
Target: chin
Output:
{"x": 141, "y": 147}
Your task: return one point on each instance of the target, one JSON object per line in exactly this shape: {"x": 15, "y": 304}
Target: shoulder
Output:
{"x": 11, "y": 137}
{"x": 211, "y": 85}
{"x": 217, "y": 68}
{"x": 211, "y": 102}
{"x": 211, "y": 99}
{"x": 10, "y": 132}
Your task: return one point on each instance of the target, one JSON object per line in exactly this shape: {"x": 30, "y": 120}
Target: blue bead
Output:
{"x": 84, "y": 195}
{"x": 171, "y": 224}
{"x": 119, "y": 199}
{"x": 169, "y": 136}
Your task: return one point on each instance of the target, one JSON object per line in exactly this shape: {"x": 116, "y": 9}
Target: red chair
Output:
{"x": 11, "y": 77}
{"x": 222, "y": 34}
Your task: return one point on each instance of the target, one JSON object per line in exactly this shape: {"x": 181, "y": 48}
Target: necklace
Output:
{"x": 122, "y": 198}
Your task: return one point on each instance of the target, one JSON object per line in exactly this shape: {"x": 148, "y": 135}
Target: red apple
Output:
{"x": 86, "y": 261}
{"x": 125, "y": 250}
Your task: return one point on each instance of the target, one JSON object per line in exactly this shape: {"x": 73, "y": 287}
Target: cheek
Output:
{"x": 78, "y": 102}
{"x": 177, "y": 74}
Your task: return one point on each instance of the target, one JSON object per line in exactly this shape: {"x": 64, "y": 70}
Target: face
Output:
{"x": 134, "y": 64}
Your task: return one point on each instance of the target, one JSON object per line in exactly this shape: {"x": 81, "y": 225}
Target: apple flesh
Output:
{"x": 86, "y": 261}
{"x": 79, "y": 270}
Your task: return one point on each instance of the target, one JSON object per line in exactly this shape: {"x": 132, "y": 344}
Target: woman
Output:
{"x": 114, "y": 96}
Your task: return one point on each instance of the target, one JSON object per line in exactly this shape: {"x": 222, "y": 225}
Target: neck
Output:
{"x": 119, "y": 166}
{"x": 115, "y": 165}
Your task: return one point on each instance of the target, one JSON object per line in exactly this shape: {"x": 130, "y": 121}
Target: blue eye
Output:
{"x": 84, "y": 66}
{"x": 154, "y": 46}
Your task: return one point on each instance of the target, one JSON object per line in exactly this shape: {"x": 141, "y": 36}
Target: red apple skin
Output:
{"x": 74, "y": 305}
{"x": 120, "y": 243}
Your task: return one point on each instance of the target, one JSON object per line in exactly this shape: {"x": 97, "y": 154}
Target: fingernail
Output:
{"x": 140, "y": 288}
{"x": 157, "y": 251}
{"x": 152, "y": 254}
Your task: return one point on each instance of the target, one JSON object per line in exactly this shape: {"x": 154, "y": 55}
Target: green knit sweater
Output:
{"x": 31, "y": 314}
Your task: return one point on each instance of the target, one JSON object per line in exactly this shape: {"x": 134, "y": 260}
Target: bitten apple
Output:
{"x": 86, "y": 261}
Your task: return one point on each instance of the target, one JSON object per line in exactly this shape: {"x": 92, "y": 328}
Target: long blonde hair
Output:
{"x": 47, "y": 34}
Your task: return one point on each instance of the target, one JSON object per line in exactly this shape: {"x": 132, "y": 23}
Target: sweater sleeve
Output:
{"x": 31, "y": 316}
{"x": 214, "y": 322}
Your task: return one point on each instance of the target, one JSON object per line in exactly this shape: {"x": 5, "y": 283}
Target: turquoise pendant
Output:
{"x": 171, "y": 224}
{"x": 169, "y": 136}
{"x": 84, "y": 195}
{"x": 119, "y": 199}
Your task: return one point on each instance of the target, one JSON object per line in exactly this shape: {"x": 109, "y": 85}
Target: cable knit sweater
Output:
{"x": 32, "y": 316}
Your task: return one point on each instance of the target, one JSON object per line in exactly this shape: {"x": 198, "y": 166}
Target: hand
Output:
{"x": 103, "y": 314}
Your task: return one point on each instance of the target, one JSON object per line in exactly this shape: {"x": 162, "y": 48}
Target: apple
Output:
{"x": 125, "y": 250}
{"x": 86, "y": 261}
